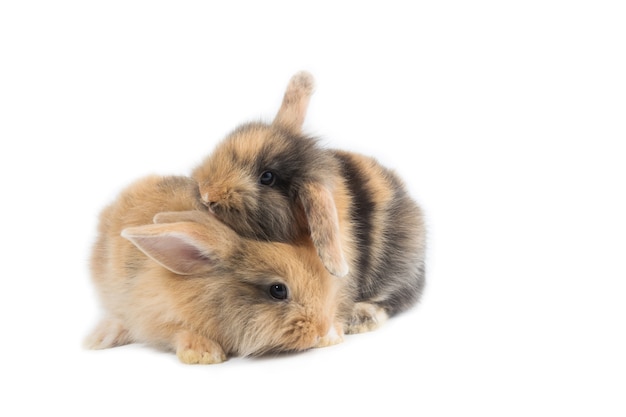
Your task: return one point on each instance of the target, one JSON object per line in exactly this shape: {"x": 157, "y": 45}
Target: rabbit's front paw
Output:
{"x": 365, "y": 317}
{"x": 195, "y": 349}
{"x": 107, "y": 334}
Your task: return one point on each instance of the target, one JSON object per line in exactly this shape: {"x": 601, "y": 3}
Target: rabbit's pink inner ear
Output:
{"x": 174, "y": 251}
{"x": 321, "y": 214}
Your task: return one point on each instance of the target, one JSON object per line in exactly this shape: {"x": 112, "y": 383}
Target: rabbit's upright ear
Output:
{"x": 321, "y": 213}
{"x": 183, "y": 247}
{"x": 295, "y": 102}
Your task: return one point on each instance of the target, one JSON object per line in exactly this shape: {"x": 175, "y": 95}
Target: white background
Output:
{"x": 506, "y": 120}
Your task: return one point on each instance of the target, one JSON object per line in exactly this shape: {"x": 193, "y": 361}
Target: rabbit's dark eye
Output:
{"x": 267, "y": 178}
{"x": 278, "y": 291}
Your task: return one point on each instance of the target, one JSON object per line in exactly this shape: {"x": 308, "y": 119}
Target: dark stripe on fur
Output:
{"x": 361, "y": 214}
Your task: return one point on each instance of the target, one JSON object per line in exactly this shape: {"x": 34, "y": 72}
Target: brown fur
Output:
{"x": 358, "y": 213}
{"x": 188, "y": 283}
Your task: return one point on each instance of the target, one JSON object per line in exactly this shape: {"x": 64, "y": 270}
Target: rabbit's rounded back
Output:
{"x": 389, "y": 239}
{"x": 189, "y": 280}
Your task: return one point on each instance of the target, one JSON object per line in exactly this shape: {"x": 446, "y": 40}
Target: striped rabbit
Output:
{"x": 272, "y": 182}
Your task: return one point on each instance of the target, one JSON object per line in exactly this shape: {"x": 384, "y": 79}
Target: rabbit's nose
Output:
{"x": 206, "y": 200}
{"x": 213, "y": 194}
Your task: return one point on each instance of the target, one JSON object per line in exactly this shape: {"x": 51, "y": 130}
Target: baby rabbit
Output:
{"x": 274, "y": 183}
{"x": 190, "y": 284}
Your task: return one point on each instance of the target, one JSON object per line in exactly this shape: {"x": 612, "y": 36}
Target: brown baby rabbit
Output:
{"x": 190, "y": 284}
{"x": 274, "y": 183}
